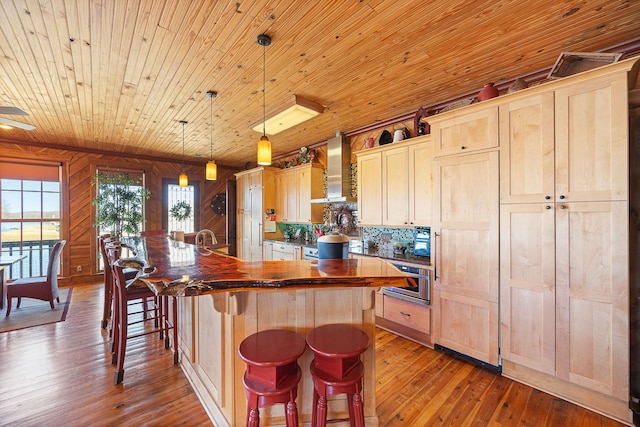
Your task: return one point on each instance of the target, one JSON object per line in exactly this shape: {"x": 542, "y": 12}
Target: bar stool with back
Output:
{"x": 123, "y": 293}
{"x": 272, "y": 373}
{"x": 337, "y": 369}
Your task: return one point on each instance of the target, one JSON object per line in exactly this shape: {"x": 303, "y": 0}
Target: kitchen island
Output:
{"x": 224, "y": 299}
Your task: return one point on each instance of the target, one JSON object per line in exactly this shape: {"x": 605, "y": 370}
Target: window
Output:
{"x": 119, "y": 203}
{"x": 173, "y": 194}
{"x": 30, "y": 214}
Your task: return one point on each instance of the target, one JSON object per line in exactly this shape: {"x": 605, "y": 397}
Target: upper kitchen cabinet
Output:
{"x": 394, "y": 184}
{"x": 255, "y": 194}
{"x": 465, "y": 130}
{"x": 369, "y": 188}
{"x": 296, "y": 187}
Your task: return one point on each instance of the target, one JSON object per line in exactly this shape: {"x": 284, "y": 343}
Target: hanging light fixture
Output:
{"x": 264, "y": 145}
{"x": 183, "y": 180}
{"x": 211, "y": 172}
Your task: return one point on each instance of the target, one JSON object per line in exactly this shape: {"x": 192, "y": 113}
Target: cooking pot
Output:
{"x": 333, "y": 246}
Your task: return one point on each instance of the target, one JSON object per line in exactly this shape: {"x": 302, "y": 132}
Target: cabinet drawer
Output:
{"x": 414, "y": 316}
{"x": 285, "y": 249}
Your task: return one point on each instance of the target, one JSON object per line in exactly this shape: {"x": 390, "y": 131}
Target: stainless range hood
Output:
{"x": 338, "y": 171}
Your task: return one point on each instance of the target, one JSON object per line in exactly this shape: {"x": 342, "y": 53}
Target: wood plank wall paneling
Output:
{"x": 77, "y": 195}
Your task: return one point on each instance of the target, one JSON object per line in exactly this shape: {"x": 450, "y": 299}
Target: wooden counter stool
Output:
{"x": 337, "y": 369}
{"x": 272, "y": 373}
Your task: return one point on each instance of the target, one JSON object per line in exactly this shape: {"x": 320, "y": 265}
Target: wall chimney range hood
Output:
{"x": 338, "y": 171}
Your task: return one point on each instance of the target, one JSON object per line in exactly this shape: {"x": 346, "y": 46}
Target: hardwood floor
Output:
{"x": 61, "y": 375}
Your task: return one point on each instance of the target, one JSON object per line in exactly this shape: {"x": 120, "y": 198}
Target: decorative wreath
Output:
{"x": 344, "y": 220}
{"x": 180, "y": 211}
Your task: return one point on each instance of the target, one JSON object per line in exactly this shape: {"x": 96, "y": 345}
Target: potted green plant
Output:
{"x": 119, "y": 203}
{"x": 180, "y": 211}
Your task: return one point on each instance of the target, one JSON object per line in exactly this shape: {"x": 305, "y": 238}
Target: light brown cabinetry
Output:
{"x": 564, "y": 241}
{"x": 465, "y": 236}
{"x": 255, "y": 194}
{"x": 394, "y": 184}
{"x": 295, "y": 188}
{"x": 408, "y": 314}
{"x": 369, "y": 188}
{"x": 465, "y": 131}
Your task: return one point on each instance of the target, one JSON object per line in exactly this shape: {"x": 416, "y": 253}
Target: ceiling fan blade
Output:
{"x": 13, "y": 111}
{"x": 15, "y": 124}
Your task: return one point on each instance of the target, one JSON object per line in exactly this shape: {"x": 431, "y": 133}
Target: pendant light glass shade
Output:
{"x": 264, "y": 145}
{"x": 183, "y": 180}
{"x": 211, "y": 171}
{"x": 264, "y": 151}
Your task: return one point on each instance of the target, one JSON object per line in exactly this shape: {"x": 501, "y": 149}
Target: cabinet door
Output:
{"x": 466, "y": 251}
{"x": 267, "y": 251}
{"x": 464, "y": 132}
{"x": 592, "y": 287}
{"x": 395, "y": 187}
{"x": 527, "y": 285}
{"x": 290, "y": 189}
{"x": 369, "y": 189}
{"x": 255, "y": 226}
{"x": 527, "y": 150}
{"x": 592, "y": 140}
{"x": 420, "y": 184}
{"x": 280, "y": 197}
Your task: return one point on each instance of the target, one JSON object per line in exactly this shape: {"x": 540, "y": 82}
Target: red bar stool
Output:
{"x": 337, "y": 369}
{"x": 272, "y": 373}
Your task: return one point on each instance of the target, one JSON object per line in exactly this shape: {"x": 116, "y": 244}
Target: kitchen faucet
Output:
{"x": 204, "y": 234}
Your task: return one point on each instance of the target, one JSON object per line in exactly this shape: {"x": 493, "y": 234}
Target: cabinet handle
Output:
{"x": 433, "y": 255}
{"x": 561, "y": 197}
{"x": 463, "y": 147}
{"x": 562, "y": 207}
{"x": 547, "y": 197}
{"x": 547, "y": 207}
{"x": 405, "y": 314}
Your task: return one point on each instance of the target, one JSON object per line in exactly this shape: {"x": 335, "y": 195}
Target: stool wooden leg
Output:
{"x": 253, "y": 413}
{"x": 321, "y": 408}
{"x": 292, "y": 414}
{"x": 357, "y": 411}
{"x": 314, "y": 408}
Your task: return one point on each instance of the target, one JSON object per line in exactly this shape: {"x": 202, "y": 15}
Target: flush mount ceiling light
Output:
{"x": 183, "y": 180}
{"x": 264, "y": 145}
{"x": 294, "y": 112}
{"x": 211, "y": 172}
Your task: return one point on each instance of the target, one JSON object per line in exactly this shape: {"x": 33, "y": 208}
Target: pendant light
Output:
{"x": 183, "y": 180}
{"x": 211, "y": 172}
{"x": 264, "y": 145}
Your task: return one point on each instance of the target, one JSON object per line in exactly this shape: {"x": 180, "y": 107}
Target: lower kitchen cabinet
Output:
{"x": 281, "y": 251}
{"x": 404, "y": 318}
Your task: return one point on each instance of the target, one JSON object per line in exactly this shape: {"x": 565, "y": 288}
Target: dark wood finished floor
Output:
{"x": 61, "y": 375}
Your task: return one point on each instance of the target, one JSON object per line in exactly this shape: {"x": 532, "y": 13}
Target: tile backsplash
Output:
{"x": 383, "y": 238}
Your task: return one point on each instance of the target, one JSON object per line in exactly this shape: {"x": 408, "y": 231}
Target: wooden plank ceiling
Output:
{"x": 119, "y": 75}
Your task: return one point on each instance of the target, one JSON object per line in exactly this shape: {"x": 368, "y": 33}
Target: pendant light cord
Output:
{"x": 264, "y": 90}
{"x": 183, "y": 123}
{"x": 211, "y": 125}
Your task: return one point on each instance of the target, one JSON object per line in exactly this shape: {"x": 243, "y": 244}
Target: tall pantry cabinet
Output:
{"x": 531, "y": 235}
{"x": 465, "y": 233}
{"x": 565, "y": 240}
{"x": 255, "y": 190}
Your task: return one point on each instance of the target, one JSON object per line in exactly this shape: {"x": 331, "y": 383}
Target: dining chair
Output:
{"x": 44, "y": 288}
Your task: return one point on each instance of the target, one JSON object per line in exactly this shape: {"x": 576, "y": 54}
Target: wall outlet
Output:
{"x": 385, "y": 237}
{"x": 79, "y": 268}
